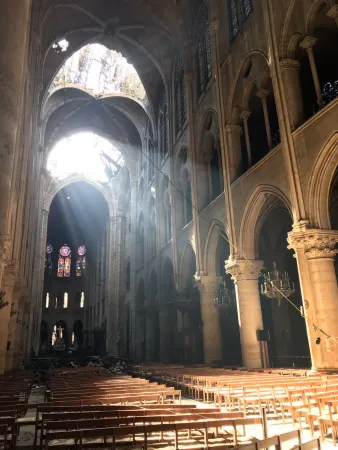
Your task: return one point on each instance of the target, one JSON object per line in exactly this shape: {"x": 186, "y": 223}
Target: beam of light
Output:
{"x": 81, "y": 154}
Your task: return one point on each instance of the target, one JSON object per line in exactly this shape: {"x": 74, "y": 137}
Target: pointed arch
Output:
{"x": 187, "y": 265}
{"x": 215, "y": 230}
{"x": 320, "y": 182}
{"x": 253, "y": 214}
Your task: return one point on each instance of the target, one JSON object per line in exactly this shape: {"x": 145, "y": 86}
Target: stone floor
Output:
{"x": 275, "y": 426}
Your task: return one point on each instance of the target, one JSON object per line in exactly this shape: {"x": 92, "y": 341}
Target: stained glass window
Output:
{"x": 65, "y": 300}
{"x": 233, "y": 18}
{"x": 81, "y": 260}
{"x": 203, "y": 55}
{"x": 48, "y": 263}
{"x": 163, "y": 126}
{"x": 246, "y": 8}
{"x": 64, "y": 262}
{"x": 180, "y": 95}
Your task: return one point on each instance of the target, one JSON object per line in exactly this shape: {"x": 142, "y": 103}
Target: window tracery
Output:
{"x": 81, "y": 261}
{"x": 204, "y": 67}
{"x": 64, "y": 262}
{"x": 180, "y": 95}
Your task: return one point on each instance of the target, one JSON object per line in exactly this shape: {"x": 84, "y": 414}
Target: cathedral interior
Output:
{"x": 169, "y": 181}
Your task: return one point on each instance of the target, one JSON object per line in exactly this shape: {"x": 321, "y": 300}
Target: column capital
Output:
{"x": 208, "y": 283}
{"x": 231, "y": 128}
{"x": 308, "y": 43}
{"x": 290, "y": 64}
{"x": 10, "y": 275}
{"x": 333, "y": 13}
{"x": 263, "y": 93}
{"x": 316, "y": 243}
{"x": 244, "y": 270}
{"x": 244, "y": 115}
{"x": 188, "y": 77}
{"x": 214, "y": 27}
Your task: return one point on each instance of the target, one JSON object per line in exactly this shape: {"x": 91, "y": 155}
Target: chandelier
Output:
{"x": 2, "y": 302}
{"x": 277, "y": 285}
{"x": 224, "y": 297}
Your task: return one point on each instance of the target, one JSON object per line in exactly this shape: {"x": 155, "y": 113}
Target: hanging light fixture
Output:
{"x": 277, "y": 285}
{"x": 3, "y": 304}
{"x": 224, "y": 297}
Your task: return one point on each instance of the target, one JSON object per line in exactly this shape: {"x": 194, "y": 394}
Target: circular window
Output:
{"x": 49, "y": 249}
{"x": 82, "y": 250}
{"x": 65, "y": 250}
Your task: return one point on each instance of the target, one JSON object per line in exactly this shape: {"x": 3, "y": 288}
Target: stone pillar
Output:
{"x": 234, "y": 133}
{"x": 245, "y": 274}
{"x": 12, "y": 324}
{"x": 263, "y": 94}
{"x": 14, "y": 24}
{"x": 245, "y": 117}
{"x": 293, "y": 91}
{"x": 9, "y": 279}
{"x": 307, "y": 44}
{"x": 150, "y": 333}
{"x": 212, "y": 333}
{"x": 315, "y": 251}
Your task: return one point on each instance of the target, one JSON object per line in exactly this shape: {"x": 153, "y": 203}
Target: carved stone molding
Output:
{"x": 333, "y": 13}
{"x": 263, "y": 93}
{"x": 308, "y": 42}
{"x": 290, "y": 64}
{"x": 214, "y": 27}
{"x": 244, "y": 270}
{"x": 245, "y": 115}
{"x": 315, "y": 243}
{"x": 208, "y": 284}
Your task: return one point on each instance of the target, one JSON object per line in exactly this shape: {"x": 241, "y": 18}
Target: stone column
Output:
{"x": 14, "y": 24}
{"x": 234, "y": 133}
{"x": 245, "y": 117}
{"x": 263, "y": 94}
{"x": 194, "y": 179}
{"x": 293, "y": 91}
{"x": 150, "y": 332}
{"x": 9, "y": 280}
{"x": 315, "y": 251}
{"x": 19, "y": 330}
{"x": 245, "y": 274}
{"x": 212, "y": 333}
{"x": 307, "y": 44}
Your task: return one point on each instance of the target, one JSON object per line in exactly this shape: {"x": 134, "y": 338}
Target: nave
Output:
{"x": 171, "y": 407}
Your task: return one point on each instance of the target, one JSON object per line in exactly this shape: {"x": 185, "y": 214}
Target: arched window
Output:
{"x": 180, "y": 95}
{"x": 163, "y": 126}
{"x": 64, "y": 262}
{"x": 82, "y": 300}
{"x": 47, "y": 300}
{"x": 65, "y": 300}
{"x": 48, "y": 263}
{"x": 233, "y": 18}
{"x": 81, "y": 261}
{"x": 203, "y": 54}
